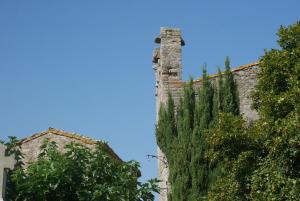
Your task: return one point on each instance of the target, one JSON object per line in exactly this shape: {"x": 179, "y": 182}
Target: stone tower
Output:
{"x": 168, "y": 69}
{"x": 168, "y": 72}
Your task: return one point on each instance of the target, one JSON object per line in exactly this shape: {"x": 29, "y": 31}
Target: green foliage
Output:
{"x": 204, "y": 107}
{"x": 231, "y": 97}
{"x": 182, "y": 136}
{"x": 231, "y": 159}
{"x": 220, "y": 89}
{"x": 218, "y": 97}
{"x": 262, "y": 160}
{"x": 232, "y": 143}
{"x": 277, "y": 99}
{"x": 203, "y": 119}
{"x": 168, "y": 127}
{"x": 180, "y": 170}
{"x": 13, "y": 147}
{"x": 277, "y": 92}
{"x": 79, "y": 174}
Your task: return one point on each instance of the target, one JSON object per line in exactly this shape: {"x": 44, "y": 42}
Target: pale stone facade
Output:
{"x": 168, "y": 71}
{"x": 30, "y": 147}
{"x": 6, "y": 162}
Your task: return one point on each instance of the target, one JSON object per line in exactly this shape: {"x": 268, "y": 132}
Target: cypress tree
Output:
{"x": 218, "y": 97}
{"x": 216, "y": 103}
{"x": 231, "y": 97}
{"x": 205, "y": 102}
{"x": 203, "y": 119}
{"x": 181, "y": 176}
{"x": 220, "y": 90}
{"x": 215, "y": 167}
{"x": 180, "y": 134}
{"x": 166, "y": 134}
{"x": 160, "y": 128}
{"x": 166, "y": 127}
{"x": 226, "y": 100}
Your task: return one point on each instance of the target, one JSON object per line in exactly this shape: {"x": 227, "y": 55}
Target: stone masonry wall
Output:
{"x": 245, "y": 77}
{"x": 30, "y": 146}
{"x": 168, "y": 71}
{"x": 167, "y": 66}
{"x": 31, "y": 149}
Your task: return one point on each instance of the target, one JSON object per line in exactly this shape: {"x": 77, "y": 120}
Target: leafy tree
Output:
{"x": 262, "y": 159}
{"x": 277, "y": 100}
{"x": 79, "y": 174}
{"x": 236, "y": 148}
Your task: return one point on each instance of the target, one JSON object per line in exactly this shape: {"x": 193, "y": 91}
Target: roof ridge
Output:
{"x": 61, "y": 133}
{"x": 72, "y": 135}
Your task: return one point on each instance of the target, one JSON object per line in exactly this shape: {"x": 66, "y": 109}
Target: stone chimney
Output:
{"x": 168, "y": 68}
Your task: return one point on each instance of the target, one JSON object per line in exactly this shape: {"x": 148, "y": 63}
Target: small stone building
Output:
{"x": 30, "y": 146}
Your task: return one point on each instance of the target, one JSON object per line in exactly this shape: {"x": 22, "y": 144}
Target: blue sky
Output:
{"x": 85, "y": 66}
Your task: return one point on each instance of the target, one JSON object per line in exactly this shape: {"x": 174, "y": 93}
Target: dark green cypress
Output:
{"x": 216, "y": 105}
{"x": 220, "y": 90}
{"x": 166, "y": 127}
{"x": 181, "y": 173}
{"x": 171, "y": 131}
{"x": 218, "y": 97}
{"x": 181, "y": 136}
{"x": 226, "y": 101}
{"x": 231, "y": 97}
{"x": 166, "y": 134}
{"x": 205, "y": 102}
{"x": 160, "y": 128}
{"x": 203, "y": 119}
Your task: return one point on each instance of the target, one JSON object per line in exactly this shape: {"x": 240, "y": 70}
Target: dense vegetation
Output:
{"x": 181, "y": 134}
{"x": 214, "y": 154}
{"x": 79, "y": 174}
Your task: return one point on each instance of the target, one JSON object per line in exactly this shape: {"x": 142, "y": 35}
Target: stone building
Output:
{"x": 168, "y": 72}
{"x": 30, "y": 146}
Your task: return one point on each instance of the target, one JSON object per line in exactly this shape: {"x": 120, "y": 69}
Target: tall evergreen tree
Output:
{"x": 166, "y": 128}
{"x": 216, "y": 103}
{"x": 181, "y": 136}
{"x": 161, "y": 127}
{"x": 220, "y": 90}
{"x": 230, "y": 96}
{"x": 203, "y": 119}
{"x": 182, "y": 181}
{"x": 217, "y": 97}
{"x": 205, "y": 102}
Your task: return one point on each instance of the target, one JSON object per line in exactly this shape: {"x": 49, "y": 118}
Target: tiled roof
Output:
{"x": 83, "y": 139}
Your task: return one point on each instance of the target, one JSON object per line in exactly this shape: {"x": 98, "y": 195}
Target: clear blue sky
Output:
{"x": 85, "y": 66}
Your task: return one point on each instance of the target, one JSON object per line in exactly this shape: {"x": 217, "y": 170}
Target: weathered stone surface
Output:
{"x": 167, "y": 68}
{"x": 6, "y": 162}
{"x": 30, "y": 146}
{"x": 168, "y": 71}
